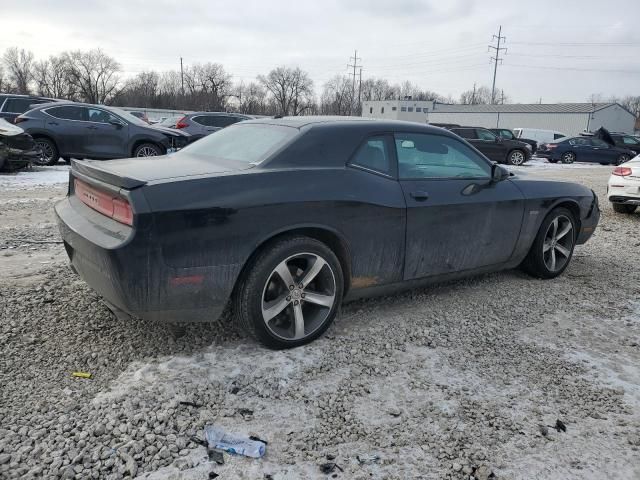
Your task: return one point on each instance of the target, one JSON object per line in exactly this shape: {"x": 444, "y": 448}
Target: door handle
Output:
{"x": 52, "y": 123}
{"x": 419, "y": 195}
{"x": 92, "y": 127}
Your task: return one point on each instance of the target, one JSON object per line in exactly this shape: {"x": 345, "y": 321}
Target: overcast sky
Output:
{"x": 558, "y": 50}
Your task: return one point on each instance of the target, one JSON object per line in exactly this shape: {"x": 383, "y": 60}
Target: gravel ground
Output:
{"x": 457, "y": 380}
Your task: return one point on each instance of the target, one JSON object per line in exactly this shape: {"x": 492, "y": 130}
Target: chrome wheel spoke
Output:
{"x": 555, "y": 227}
{"x": 563, "y": 250}
{"x": 546, "y": 246}
{"x": 553, "y": 259}
{"x": 308, "y": 277}
{"x": 283, "y": 271}
{"x": 299, "y": 321}
{"x": 274, "y": 307}
{"x": 566, "y": 229}
{"x": 319, "y": 299}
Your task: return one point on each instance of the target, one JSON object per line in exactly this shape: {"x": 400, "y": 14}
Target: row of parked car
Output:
{"x": 64, "y": 129}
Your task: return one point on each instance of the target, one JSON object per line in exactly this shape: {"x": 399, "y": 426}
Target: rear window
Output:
{"x": 19, "y": 105}
{"x": 242, "y": 143}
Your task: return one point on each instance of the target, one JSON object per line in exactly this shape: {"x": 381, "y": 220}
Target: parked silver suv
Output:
{"x": 201, "y": 124}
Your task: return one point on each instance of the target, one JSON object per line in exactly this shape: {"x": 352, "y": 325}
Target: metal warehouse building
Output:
{"x": 568, "y": 118}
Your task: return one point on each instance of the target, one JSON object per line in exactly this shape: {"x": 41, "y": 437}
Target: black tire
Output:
{"x": 535, "y": 263}
{"x": 552, "y": 161}
{"x": 67, "y": 160}
{"x": 516, "y": 157}
{"x": 147, "y": 150}
{"x": 623, "y": 208}
{"x": 260, "y": 278}
{"x": 51, "y": 156}
{"x": 568, "y": 157}
{"x": 622, "y": 159}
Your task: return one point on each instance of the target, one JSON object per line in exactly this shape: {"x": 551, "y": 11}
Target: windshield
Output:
{"x": 248, "y": 143}
{"x": 128, "y": 117}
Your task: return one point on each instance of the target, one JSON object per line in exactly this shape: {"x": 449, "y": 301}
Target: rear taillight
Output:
{"x": 20, "y": 119}
{"x": 113, "y": 207}
{"x": 622, "y": 171}
{"x": 551, "y": 146}
{"x": 182, "y": 123}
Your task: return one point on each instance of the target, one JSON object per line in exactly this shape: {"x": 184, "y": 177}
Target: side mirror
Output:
{"x": 116, "y": 123}
{"x": 498, "y": 173}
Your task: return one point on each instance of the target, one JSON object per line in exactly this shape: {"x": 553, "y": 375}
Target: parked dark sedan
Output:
{"x": 285, "y": 218}
{"x": 201, "y": 124}
{"x": 507, "y": 134}
{"x": 81, "y": 130}
{"x": 513, "y": 152}
{"x": 17, "y": 148}
{"x": 584, "y": 149}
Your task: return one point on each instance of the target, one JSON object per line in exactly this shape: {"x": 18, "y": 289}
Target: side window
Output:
{"x": 374, "y": 155}
{"x": 468, "y": 133}
{"x": 599, "y": 143}
{"x": 630, "y": 141}
{"x": 68, "y": 112}
{"x": 579, "y": 141}
{"x": 370, "y": 109}
{"x": 393, "y": 109}
{"x": 221, "y": 121}
{"x": 507, "y": 134}
{"x": 382, "y": 110}
{"x": 410, "y": 109}
{"x": 437, "y": 156}
{"x": 485, "y": 135}
{"x": 99, "y": 116}
{"x": 557, "y": 136}
{"x": 403, "y": 109}
{"x": 18, "y": 105}
{"x": 202, "y": 120}
{"x": 418, "y": 109}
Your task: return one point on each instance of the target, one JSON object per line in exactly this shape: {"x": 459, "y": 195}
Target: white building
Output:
{"x": 410, "y": 110}
{"x": 568, "y": 118}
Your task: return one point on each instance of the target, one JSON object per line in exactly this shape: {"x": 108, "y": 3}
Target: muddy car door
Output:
{"x": 457, "y": 217}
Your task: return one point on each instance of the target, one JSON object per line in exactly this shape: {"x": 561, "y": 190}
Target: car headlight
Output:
{"x": 528, "y": 147}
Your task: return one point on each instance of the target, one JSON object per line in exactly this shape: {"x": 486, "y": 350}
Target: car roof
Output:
{"x": 333, "y": 121}
{"x": 234, "y": 114}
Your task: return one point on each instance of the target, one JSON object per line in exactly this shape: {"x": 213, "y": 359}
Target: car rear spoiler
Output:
{"x": 92, "y": 169}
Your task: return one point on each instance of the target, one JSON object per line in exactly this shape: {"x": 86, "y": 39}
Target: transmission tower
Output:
{"x": 497, "y": 49}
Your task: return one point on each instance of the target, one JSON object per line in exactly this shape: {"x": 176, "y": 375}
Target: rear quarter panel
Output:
{"x": 223, "y": 220}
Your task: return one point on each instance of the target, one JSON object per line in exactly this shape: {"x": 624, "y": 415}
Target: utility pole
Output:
{"x": 473, "y": 97}
{"x": 182, "y": 76}
{"x": 355, "y": 65}
{"x": 496, "y": 59}
{"x": 360, "y": 92}
{"x": 502, "y": 97}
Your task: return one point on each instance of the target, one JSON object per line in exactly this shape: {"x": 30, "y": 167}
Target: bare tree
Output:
{"x": 4, "y": 83}
{"x": 94, "y": 75}
{"x": 208, "y": 86}
{"x": 19, "y": 65}
{"x": 291, "y": 90}
{"x": 337, "y": 97}
{"x": 378, "y": 89}
{"x": 476, "y": 96}
{"x": 252, "y": 98}
{"x": 52, "y": 78}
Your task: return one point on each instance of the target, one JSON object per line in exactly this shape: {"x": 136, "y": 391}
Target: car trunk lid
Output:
{"x": 132, "y": 173}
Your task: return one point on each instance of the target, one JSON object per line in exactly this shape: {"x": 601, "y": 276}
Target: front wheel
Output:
{"x": 290, "y": 293}
{"x": 147, "y": 150}
{"x": 516, "y": 157}
{"x": 568, "y": 157}
{"x": 623, "y": 208}
{"x": 48, "y": 152}
{"x": 553, "y": 246}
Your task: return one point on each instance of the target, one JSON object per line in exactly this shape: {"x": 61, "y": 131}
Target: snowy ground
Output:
{"x": 444, "y": 382}
{"x": 35, "y": 177}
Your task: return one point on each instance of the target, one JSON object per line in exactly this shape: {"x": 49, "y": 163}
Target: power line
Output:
{"x": 496, "y": 59}
{"x": 606, "y": 70}
{"x": 581, "y": 44}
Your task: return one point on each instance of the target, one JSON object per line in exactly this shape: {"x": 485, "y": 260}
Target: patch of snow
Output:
{"x": 35, "y": 177}
{"x": 542, "y": 163}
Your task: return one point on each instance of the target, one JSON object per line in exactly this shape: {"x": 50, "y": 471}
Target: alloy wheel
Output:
{"x": 516, "y": 158}
{"x": 568, "y": 157}
{"x": 147, "y": 152}
{"x": 46, "y": 154}
{"x": 298, "y": 296}
{"x": 622, "y": 159}
{"x": 558, "y": 243}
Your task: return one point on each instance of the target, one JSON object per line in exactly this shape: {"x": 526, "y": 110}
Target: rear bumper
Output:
{"x": 128, "y": 271}
{"x": 624, "y": 190}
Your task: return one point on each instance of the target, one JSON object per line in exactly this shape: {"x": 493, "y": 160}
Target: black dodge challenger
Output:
{"x": 285, "y": 218}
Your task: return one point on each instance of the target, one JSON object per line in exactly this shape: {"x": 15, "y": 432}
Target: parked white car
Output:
{"x": 539, "y": 135}
{"x": 623, "y": 190}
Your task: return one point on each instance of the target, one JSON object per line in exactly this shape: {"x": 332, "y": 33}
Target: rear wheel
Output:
{"x": 291, "y": 293}
{"x": 516, "y": 157}
{"x": 48, "y": 152}
{"x": 553, "y": 246}
{"x": 568, "y": 157}
{"x": 147, "y": 150}
{"x": 552, "y": 161}
{"x": 623, "y": 208}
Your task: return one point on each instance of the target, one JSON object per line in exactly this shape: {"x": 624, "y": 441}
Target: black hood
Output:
{"x": 603, "y": 134}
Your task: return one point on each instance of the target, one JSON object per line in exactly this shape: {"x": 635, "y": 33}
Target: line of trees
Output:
{"x": 95, "y": 77}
